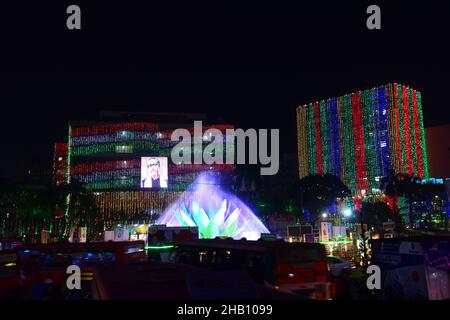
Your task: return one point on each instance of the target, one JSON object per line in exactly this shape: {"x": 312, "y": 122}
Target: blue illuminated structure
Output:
{"x": 214, "y": 211}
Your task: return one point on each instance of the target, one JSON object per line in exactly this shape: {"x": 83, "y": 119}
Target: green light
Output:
{"x": 369, "y": 135}
{"x": 412, "y": 133}
{"x": 159, "y": 247}
{"x": 337, "y": 242}
{"x": 311, "y": 139}
{"x": 422, "y": 136}
{"x": 324, "y": 135}
{"x": 348, "y": 137}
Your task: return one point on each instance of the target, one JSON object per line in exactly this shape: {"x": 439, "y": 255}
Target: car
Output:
{"x": 338, "y": 265}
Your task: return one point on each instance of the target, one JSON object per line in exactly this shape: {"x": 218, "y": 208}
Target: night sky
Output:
{"x": 250, "y": 66}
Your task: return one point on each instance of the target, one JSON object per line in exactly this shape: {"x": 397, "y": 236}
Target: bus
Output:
{"x": 84, "y": 254}
{"x": 39, "y": 263}
{"x": 296, "y": 268}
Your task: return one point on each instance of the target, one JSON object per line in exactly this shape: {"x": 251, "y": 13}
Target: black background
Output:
{"x": 250, "y": 64}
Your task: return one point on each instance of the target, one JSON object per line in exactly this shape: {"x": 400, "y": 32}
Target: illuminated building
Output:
{"x": 361, "y": 136}
{"x": 60, "y": 163}
{"x": 107, "y": 158}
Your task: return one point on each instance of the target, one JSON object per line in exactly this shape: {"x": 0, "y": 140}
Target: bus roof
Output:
{"x": 78, "y": 246}
{"x": 260, "y": 245}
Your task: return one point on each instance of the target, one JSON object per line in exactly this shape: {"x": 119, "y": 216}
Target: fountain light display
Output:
{"x": 215, "y": 212}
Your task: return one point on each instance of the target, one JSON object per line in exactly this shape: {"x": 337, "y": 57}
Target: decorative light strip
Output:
{"x": 312, "y": 141}
{"x": 417, "y": 137}
{"x": 412, "y": 126}
{"x": 335, "y": 145}
{"x": 384, "y": 141}
{"x": 409, "y": 166}
{"x": 324, "y": 136}
{"x": 111, "y": 148}
{"x": 120, "y": 136}
{"x": 359, "y": 142}
{"x": 302, "y": 140}
{"x": 398, "y": 129}
{"x": 349, "y": 144}
{"x": 101, "y": 129}
{"x": 422, "y": 137}
{"x": 318, "y": 139}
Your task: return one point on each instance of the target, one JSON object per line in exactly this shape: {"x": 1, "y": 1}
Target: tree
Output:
{"x": 8, "y": 209}
{"x": 82, "y": 210}
{"x": 401, "y": 184}
{"x": 375, "y": 212}
{"x": 318, "y": 192}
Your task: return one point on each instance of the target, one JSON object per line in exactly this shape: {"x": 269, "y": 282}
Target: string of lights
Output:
{"x": 412, "y": 127}
{"x": 323, "y": 112}
{"x": 422, "y": 136}
{"x": 319, "y": 154}
{"x": 417, "y": 136}
{"x": 407, "y": 149}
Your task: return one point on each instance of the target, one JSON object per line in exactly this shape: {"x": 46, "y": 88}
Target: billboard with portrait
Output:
{"x": 154, "y": 172}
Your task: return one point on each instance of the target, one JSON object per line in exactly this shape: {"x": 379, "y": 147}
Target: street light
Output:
{"x": 347, "y": 212}
{"x": 324, "y": 215}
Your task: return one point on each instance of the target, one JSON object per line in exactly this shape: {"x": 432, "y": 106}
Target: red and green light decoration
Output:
{"x": 108, "y": 156}
{"x": 361, "y": 136}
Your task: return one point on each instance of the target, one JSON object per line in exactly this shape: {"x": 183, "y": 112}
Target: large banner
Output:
{"x": 154, "y": 172}
{"x": 325, "y": 231}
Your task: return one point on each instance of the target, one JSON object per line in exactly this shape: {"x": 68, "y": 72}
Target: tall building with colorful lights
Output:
{"x": 107, "y": 158}
{"x": 362, "y": 135}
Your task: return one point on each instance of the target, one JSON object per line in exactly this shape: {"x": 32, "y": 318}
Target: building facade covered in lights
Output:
{"x": 107, "y": 158}
{"x": 363, "y": 135}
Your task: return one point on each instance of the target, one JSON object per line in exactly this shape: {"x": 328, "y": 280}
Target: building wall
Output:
{"x": 361, "y": 136}
{"x": 438, "y": 143}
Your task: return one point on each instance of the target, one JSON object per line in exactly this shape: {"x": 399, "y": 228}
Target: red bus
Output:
{"x": 297, "y": 268}
{"x": 41, "y": 262}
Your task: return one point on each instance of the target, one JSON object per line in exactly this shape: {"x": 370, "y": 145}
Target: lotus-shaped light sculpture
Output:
{"x": 214, "y": 212}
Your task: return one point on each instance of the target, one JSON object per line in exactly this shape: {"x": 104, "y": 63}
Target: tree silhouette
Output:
{"x": 318, "y": 192}
{"x": 82, "y": 209}
{"x": 401, "y": 184}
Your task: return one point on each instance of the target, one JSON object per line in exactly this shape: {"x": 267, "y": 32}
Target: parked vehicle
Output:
{"x": 298, "y": 268}
{"x": 338, "y": 265}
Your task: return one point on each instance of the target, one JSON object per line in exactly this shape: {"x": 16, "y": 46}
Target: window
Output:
{"x": 124, "y": 149}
